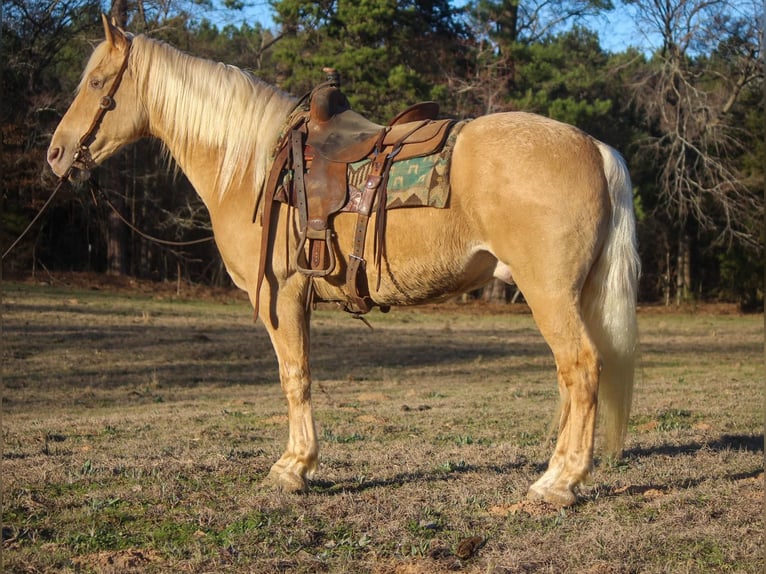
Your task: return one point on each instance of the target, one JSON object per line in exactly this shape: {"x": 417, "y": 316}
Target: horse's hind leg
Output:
{"x": 577, "y": 364}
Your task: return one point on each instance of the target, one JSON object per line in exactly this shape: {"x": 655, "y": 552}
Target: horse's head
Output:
{"x": 105, "y": 114}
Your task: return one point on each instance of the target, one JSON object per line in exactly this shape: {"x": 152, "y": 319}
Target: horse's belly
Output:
{"x": 418, "y": 277}
{"x": 437, "y": 279}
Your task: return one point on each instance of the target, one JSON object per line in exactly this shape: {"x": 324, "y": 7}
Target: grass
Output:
{"x": 137, "y": 430}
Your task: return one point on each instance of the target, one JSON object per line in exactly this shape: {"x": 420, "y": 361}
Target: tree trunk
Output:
{"x": 667, "y": 277}
{"x": 495, "y": 292}
{"x": 117, "y": 238}
{"x": 117, "y": 231}
{"x": 683, "y": 269}
{"x": 119, "y": 12}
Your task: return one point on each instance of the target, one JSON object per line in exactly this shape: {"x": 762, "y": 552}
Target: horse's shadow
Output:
{"x": 747, "y": 442}
{"x": 331, "y": 488}
{"x": 753, "y": 443}
{"x": 743, "y": 442}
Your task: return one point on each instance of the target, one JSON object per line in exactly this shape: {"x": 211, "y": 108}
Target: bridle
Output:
{"x": 82, "y": 158}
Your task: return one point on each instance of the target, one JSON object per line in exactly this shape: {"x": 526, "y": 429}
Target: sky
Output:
{"x": 616, "y": 30}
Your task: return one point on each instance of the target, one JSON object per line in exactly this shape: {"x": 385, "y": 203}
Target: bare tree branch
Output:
{"x": 686, "y": 101}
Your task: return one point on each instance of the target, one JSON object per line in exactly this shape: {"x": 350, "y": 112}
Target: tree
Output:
{"x": 689, "y": 114}
{"x": 40, "y": 67}
{"x": 117, "y": 179}
{"x": 707, "y": 60}
{"x": 502, "y": 34}
{"x": 390, "y": 53}
{"x": 47, "y": 48}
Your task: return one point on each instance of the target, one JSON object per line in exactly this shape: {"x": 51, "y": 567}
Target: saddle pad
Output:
{"x": 416, "y": 182}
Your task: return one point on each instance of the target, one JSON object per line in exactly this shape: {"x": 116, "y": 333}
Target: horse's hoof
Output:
{"x": 559, "y": 497}
{"x": 286, "y": 481}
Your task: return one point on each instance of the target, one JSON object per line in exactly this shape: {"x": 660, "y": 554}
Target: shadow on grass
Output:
{"x": 193, "y": 353}
{"x": 747, "y": 442}
{"x": 330, "y": 488}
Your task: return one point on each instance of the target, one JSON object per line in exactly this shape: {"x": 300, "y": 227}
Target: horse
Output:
{"x": 534, "y": 202}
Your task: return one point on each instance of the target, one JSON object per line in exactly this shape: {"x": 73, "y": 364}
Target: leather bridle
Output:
{"x": 82, "y": 158}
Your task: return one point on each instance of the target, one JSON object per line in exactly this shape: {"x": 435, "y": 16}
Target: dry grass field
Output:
{"x": 138, "y": 427}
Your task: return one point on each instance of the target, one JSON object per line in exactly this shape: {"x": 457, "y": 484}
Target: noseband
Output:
{"x": 82, "y": 158}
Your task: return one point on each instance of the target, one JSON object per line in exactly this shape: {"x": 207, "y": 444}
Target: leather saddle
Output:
{"x": 339, "y": 134}
{"x": 323, "y": 136}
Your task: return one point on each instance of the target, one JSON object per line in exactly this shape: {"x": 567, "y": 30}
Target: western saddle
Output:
{"x": 321, "y": 138}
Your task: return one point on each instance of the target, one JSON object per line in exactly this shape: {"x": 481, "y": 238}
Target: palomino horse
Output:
{"x": 532, "y": 201}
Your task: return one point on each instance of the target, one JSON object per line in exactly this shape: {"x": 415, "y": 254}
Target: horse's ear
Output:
{"x": 107, "y": 29}
{"x": 115, "y": 37}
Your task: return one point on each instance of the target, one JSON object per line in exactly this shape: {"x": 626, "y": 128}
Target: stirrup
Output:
{"x": 300, "y": 250}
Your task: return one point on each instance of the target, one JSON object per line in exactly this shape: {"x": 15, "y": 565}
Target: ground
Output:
{"x": 139, "y": 421}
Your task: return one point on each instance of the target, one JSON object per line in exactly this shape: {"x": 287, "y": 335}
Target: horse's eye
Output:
{"x": 96, "y": 83}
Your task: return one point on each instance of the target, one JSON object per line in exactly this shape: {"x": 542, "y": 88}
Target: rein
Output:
{"x": 143, "y": 234}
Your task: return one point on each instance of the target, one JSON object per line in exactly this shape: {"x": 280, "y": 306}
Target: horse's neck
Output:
{"x": 219, "y": 124}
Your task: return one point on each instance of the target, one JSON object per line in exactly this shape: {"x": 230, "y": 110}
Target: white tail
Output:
{"x": 609, "y": 305}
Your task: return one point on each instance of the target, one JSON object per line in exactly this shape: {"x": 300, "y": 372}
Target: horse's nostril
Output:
{"x": 53, "y": 154}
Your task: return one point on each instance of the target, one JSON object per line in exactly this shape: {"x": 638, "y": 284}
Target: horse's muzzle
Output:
{"x": 78, "y": 170}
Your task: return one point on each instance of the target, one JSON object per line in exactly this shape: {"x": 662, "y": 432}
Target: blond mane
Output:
{"x": 207, "y": 103}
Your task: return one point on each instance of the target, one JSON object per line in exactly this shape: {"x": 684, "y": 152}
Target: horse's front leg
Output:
{"x": 287, "y": 322}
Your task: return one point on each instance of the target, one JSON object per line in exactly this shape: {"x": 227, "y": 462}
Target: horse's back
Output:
{"x": 522, "y": 161}
{"x": 525, "y": 143}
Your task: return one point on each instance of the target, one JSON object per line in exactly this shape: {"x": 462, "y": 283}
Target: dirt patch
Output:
{"x": 119, "y": 562}
{"x": 528, "y": 507}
